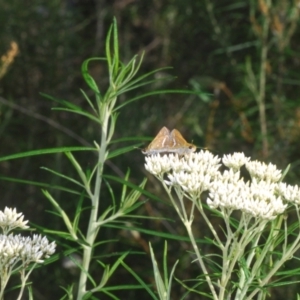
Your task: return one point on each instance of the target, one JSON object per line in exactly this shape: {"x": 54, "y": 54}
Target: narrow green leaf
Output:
{"x": 45, "y": 151}
{"x": 78, "y": 212}
{"x": 124, "y": 188}
{"x": 111, "y": 191}
{"x": 62, "y": 214}
{"x": 116, "y": 46}
{"x": 286, "y": 170}
{"x": 45, "y": 185}
{"x": 165, "y": 263}
{"x": 129, "y": 201}
{"x": 61, "y": 234}
{"x": 108, "y": 53}
{"x": 113, "y": 122}
{"x": 121, "y": 151}
{"x": 140, "y": 280}
{"x": 89, "y": 101}
{"x": 131, "y": 72}
{"x": 105, "y": 213}
{"x": 87, "y": 77}
{"x": 160, "y": 286}
{"x": 130, "y": 139}
{"x": 171, "y": 279}
{"x": 133, "y": 207}
{"x": 62, "y": 102}
{"x": 78, "y": 168}
{"x": 126, "y": 73}
{"x": 63, "y": 176}
{"x": 82, "y": 113}
{"x": 117, "y": 263}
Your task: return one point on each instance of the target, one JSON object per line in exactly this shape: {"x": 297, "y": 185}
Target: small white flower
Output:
{"x": 235, "y": 161}
{"x": 176, "y": 163}
{"x": 263, "y": 171}
{"x": 228, "y": 194}
{"x": 228, "y": 176}
{"x": 192, "y": 183}
{"x": 268, "y": 209}
{"x": 205, "y": 160}
{"x": 10, "y": 219}
{"x": 262, "y": 190}
{"x": 23, "y": 250}
{"x": 157, "y": 164}
{"x": 288, "y": 192}
{"x": 257, "y": 199}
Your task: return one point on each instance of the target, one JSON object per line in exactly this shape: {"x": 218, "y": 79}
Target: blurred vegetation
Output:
{"x": 242, "y": 57}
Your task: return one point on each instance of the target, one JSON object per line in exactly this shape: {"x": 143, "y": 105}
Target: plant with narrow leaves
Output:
{"x": 258, "y": 243}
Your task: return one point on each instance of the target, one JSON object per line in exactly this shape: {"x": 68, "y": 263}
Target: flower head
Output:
{"x": 158, "y": 164}
{"x": 16, "y": 250}
{"x": 235, "y": 161}
{"x": 263, "y": 197}
{"x": 290, "y": 193}
{"x": 262, "y": 171}
{"x": 10, "y": 219}
{"x": 193, "y": 172}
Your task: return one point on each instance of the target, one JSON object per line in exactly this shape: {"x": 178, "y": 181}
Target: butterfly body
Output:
{"x": 168, "y": 141}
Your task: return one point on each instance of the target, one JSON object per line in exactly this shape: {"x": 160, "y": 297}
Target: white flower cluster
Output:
{"x": 235, "y": 161}
{"x": 263, "y": 197}
{"x": 262, "y": 171}
{"x": 16, "y": 250}
{"x": 10, "y": 219}
{"x": 193, "y": 173}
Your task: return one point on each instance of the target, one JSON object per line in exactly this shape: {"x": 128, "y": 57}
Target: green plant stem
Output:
{"x": 93, "y": 227}
{"x": 171, "y": 198}
{"x": 206, "y": 219}
{"x": 188, "y": 225}
{"x": 225, "y": 257}
{"x": 287, "y": 255}
{"x": 230, "y": 258}
{"x": 252, "y": 234}
{"x": 24, "y": 278}
{"x": 4, "y": 277}
{"x": 243, "y": 275}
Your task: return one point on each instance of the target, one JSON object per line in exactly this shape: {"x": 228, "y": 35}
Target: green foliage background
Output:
{"x": 209, "y": 44}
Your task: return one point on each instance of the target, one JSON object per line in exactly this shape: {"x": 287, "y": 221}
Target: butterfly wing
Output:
{"x": 161, "y": 141}
{"x": 177, "y": 139}
{"x": 180, "y": 145}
